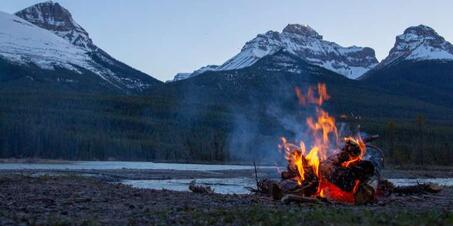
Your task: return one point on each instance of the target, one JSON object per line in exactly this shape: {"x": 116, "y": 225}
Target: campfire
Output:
{"x": 327, "y": 166}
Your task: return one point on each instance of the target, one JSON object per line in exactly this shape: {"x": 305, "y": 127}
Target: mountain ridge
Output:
{"x": 304, "y": 42}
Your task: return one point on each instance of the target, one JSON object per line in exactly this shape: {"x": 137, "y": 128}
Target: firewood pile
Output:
{"x": 344, "y": 177}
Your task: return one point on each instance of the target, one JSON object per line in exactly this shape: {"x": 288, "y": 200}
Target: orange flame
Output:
{"x": 310, "y": 97}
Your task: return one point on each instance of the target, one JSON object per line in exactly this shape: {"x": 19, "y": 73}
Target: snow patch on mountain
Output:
{"x": 430, "y": 53}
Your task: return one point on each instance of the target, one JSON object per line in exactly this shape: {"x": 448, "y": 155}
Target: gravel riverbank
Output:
{"x": 30, "y": 199}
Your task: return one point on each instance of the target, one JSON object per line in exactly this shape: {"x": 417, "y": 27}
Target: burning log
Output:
{"x": 346, "y": 169}
{"x": 342, "y": 177}
{"x": 351, "y": 150}
{"x": 200, "y": 188}
{"x": 346, "y": 177}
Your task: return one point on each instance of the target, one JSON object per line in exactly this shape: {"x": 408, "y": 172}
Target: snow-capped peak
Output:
{"x": 53, "y": 17}
{"x": 419, "y": 43}
{"x": 45, "y": 35}
{"x": 304, "y": 42}
{"x": 23, "y": 42}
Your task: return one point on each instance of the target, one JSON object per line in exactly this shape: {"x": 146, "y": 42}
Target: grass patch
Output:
{"x": 297, "y": 215}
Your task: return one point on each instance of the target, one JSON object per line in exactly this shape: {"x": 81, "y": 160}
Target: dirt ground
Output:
{"x": 30, "y": 199}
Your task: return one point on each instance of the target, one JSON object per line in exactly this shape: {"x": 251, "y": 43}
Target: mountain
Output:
{"x": 419, "y": 65}
{"x": 306, "y": 43}
{"x": 43, "y": 43}
{"x": 418, "y": 43}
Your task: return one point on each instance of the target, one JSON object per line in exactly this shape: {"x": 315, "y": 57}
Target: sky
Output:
{"x": 165, "y": 37}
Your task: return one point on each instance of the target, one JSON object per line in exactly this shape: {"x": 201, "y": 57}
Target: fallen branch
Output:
{"x": 386, "y": 188}
{"x": 417, "y": 189}
{"x": 200, "y": 188}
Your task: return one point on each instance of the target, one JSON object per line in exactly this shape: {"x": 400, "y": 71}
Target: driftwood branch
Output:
{"x": 418, "y": 189}
{"x": 387, "y": 188}
{"x": 200, "y": 188}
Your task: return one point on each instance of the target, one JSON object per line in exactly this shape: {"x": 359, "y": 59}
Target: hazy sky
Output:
{"x": 164, "y": 37}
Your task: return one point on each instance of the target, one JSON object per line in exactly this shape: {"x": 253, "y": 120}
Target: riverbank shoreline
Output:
{"x": 74, "y": 200}
{"x": 114, "y": 175}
